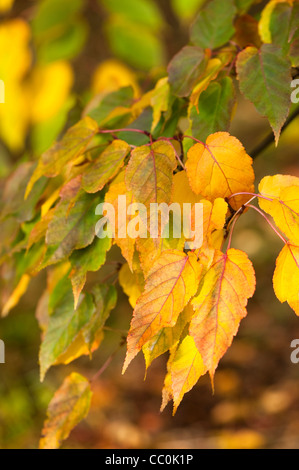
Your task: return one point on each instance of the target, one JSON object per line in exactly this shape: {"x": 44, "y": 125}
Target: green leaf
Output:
{"x": 215, "y": 108}
{"x": 100, "y": 111}
{"x": 67, "y": 408}
{"x": 244, "y": 5}
{"x": 213, "y": 26}
{"x": 72, "y": 228}
{"x": 137, "y": 11}
{"x": 105, "y": 167}
{"x": 66, "y": 45}
{"x": 184, "y": 70}
{"x": 72, "y": 145}
{"x": 186, "y": 9}
{"x": 88, "y": 259}
{"x": 294, "y": 50}
{"x": 71, "y": 333}
{"x": 65, "y": 325}
{"x": 51, "y": 13}
{"x": 264, "y": 78}
{"x": 135, "y": 44}
{"x": 12, "y": 199}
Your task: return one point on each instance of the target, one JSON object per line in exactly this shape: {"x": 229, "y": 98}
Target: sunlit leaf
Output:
{"x": 169, "y": 286}
{"x": 221, "y": 304}
{"x": 220, "y": 168}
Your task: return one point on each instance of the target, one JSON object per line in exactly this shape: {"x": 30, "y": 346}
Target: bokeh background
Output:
{"x": 54, "y": 57}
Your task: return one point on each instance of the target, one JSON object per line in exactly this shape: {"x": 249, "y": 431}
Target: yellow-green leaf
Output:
{"x": 72, "y": 145}
{"x": 67, "y": 408}
{"x": 149, "y": 173}
{"x": 105, "y": 167}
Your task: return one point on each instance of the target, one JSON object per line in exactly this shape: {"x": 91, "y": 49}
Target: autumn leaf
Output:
{"x": 280, "y": 199}
{"x": 168, "y": 288}
{"x": 72, "y": 145}
{"x": 121, "y": 219}
{"x": 185, "y": 366}
{"x": 67, "y": 408}
{"x": 221, "y": 304}
{"x": 132, "y": 283}
{"x": 220, "y": 168}
{"x": 167, "y": 337}
{"x": 286, "y": 276}
{"x": 105, "y": 167}
{"x": 149, "y": 173}
{"x": 213, "y": 68}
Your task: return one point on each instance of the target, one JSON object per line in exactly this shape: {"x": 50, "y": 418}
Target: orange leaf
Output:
{"x": 220, "y": 168}
{"x": 172, "y": 281}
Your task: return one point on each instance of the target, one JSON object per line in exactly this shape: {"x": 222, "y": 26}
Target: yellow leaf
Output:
{"x": 166, "y": 338}
{"x": 15, "y": 55}
{"x": 49, "y": 88}
{"x": 126, "y": 244}
{"x": 131, "y": 283}
{"x": 111, "y": 75}
{"x": 282, "y": 203}
{"x": 220, "y": 305}
{"x": 17, "y": 294}
{"x": 286, "y": 276}
{"x": 159, "y": 100}
{"x": 220, "y": 168}
{"x": 182, "y": 192}
{"x": 169, "y": 286}
{"x": 186, "y": 367}
{"x": 67, "y": 408}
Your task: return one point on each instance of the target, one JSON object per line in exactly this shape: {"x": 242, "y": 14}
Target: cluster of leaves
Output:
{"x": 170, "y": 145}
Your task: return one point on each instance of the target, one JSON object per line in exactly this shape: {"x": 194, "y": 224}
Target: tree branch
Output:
{"x": 270, "y": 138}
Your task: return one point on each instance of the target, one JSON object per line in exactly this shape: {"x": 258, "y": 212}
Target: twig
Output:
{"x": 271, "y": 138}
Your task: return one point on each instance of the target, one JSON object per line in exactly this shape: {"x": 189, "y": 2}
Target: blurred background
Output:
{"x": 55, "y": 56}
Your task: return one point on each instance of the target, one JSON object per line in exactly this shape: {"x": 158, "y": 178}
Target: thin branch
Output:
{"x": 271, "y": 138}
{"x": 125, "y": 129}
